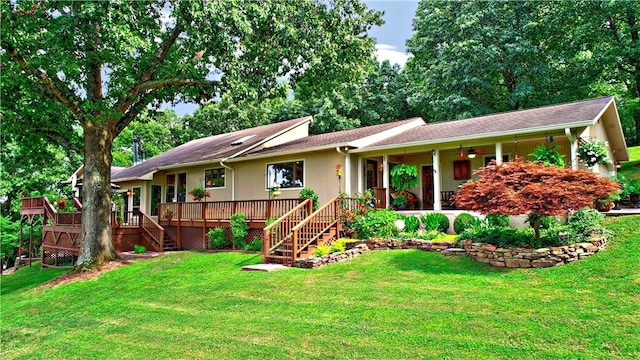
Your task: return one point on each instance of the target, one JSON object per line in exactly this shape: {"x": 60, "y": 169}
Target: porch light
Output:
{"x": 129, "y": 192}
{"x": 618, "y": 165}
{"x": 471, "y": 153}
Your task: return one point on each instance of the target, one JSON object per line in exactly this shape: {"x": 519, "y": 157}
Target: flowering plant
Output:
{"x": 199, "y": 193}
{"x": 353, "y": 210}
{"x": 593, "y": 152}
{"x": 61, "y": 203}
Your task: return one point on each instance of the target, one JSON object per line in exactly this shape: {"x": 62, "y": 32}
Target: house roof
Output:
{"x": 580, "y": 113}
{"x": 209, "y": 149}
{"x": 349, "y": 138}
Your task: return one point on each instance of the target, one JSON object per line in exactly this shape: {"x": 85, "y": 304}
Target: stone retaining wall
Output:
{"x": 482, "y": 252}
{"x": 315, "y": 262}
{"x": 527, "y": 258}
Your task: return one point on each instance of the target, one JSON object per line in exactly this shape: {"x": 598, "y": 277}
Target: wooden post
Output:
{"x": 204, "y": 226}
{"x": 336, "y": 207}
{"x": 269, "y": 209}
{"x": 179, "y": 228}
{"x": 294, "y": 252}
{"x": 30, "y": 241}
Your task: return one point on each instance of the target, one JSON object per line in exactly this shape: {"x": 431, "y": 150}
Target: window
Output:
{"x": 462, "y": 170}
{"x": 286, "y": 175}
{"x": 488, "y": 159}
{"x": 156, "y": 198}
{"x": 171, "y": 187}
{"x": 214, "y": 178}
{"x": 136, "y": 200}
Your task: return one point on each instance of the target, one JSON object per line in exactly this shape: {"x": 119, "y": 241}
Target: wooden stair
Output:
{"x": 170, "y": 243}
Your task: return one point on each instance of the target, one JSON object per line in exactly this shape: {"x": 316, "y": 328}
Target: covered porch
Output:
{"x": 442, "y": 168}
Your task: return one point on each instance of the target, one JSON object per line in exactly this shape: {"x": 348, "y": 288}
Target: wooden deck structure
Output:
{"x": 294, "y": 229}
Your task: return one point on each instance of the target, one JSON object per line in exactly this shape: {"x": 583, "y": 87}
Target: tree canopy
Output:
{"x": 97, "y": 65}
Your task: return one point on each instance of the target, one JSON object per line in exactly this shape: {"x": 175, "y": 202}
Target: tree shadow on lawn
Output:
{"x": 28, "y": 277}
{"x": 436, "y": 263}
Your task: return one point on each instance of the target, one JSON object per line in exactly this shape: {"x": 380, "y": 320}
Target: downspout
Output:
{"x": 347, "y": 170}
{"x": 233, "y": 179}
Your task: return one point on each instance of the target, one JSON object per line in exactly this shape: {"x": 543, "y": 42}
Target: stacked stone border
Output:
{"x": 482, "y": 252}
{"x": 528, "y": 258}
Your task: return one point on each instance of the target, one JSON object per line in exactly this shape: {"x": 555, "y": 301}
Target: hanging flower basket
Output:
{"x": 594, "y": 152}
{"x": 61, "y": 203}
{"x": 199, "y": 193}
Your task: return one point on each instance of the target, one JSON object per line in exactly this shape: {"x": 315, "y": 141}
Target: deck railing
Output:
{"x": 152, "y": 230}
{"x": 315, "y": 225}
{"x": 277, "y": 232}
{"x": 222, "y": 210}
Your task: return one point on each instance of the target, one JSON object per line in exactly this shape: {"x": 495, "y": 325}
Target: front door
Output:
{"x": 427, "y": 187}
{"x": 371, "y": 174}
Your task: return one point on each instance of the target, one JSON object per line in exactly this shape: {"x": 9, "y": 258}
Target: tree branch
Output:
{"x": 54, "y": 91}
{"x": 166, "y": 45}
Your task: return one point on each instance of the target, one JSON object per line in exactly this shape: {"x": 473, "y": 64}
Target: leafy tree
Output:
{"x": 607, "y": 34}
{"x": 518, "y": 188}
{"x": 477, "y": 57}
{"x": 155, "y": 131}
{"x": 97, "y": 65}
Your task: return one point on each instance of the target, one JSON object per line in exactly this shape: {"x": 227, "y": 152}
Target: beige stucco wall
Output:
{"x": 319, "y": 174}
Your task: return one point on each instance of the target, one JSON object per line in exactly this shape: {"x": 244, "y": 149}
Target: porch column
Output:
{"x": 347, "y": 173}
{"x": 437, "y": 206}
{"x": 498, "y": 153}
{"x": 574, "y": 148}
{"x": 360, "y": 179}
{"x": 385, "y": 177}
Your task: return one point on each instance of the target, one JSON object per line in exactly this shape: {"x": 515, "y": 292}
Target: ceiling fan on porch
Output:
{"x": 471, "y": 153}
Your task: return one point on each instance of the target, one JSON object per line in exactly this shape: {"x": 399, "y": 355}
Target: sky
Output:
{"x": 391, "y": 36}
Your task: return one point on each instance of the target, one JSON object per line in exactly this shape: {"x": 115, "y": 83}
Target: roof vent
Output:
{"x": 242, "y": 140}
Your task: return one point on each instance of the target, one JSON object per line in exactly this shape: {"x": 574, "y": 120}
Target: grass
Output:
{"x": 631, "y": 168}
{"x": 397, "y": 304}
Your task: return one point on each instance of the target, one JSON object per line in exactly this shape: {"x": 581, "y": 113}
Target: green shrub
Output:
{"x": 411, "y": 223}
{"x": 379, "y": 224}
{"x": 255, "y": 245}
{"x": 435, "y": 221}
{"x": 239, "y": 229}
{"x": 340, "y": 245}
{"x": 322, "y": 250}
{"x": 309, "y": 193}
{"x": 463, "y": 222}
{"x": 139, "y": 249}
{"x": 498, "y": 220}
{"x": 218, "y": 239}
{"x": 429, "y": 235}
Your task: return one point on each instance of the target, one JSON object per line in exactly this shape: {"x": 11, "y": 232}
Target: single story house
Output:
{"x": 247, "y": 164}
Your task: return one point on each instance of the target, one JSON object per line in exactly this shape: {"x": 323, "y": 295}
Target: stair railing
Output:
{"x": 276, "y": 232}
{"x": 315, "y": 225}
{"x": 152, "y": 230}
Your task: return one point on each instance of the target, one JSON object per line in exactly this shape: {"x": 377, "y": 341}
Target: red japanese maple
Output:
{"x": 519, "y": 187}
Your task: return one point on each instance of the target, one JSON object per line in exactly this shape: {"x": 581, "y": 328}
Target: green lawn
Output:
{"x": 402, "y": 304}
{"x": 631, "y": 168}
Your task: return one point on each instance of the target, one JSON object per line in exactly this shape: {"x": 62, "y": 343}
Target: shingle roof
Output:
{"x": 554, "y": 116}
{"x": 209, "y": 149}
{"x": 328, "y": 140}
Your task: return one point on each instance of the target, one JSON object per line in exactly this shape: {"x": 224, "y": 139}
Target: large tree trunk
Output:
{"x": 96, "y": 247}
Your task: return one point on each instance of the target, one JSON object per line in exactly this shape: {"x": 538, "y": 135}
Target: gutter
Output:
{"x": 471, "y": 138}
{"x": 233, "y": 178}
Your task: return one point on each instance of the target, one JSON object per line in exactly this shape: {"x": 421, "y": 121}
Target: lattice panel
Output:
{"x": 58, "y": 258}
{"x": 255, "y": 232}
{"x": 192, "y": 238}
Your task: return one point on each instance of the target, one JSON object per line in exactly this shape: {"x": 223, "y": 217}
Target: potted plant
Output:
{"x": 593, "y": 152}
{"x": 61, "y": 203}
{"x": 168, "y": 213}
{"x": 634, "y": 192}
{"x": 404, "y": 176}
{"x": 400, "y": 202}
{"x": 199, "y": 193}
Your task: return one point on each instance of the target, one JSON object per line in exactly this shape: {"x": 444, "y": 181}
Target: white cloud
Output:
{"x": 389, "y": 52}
